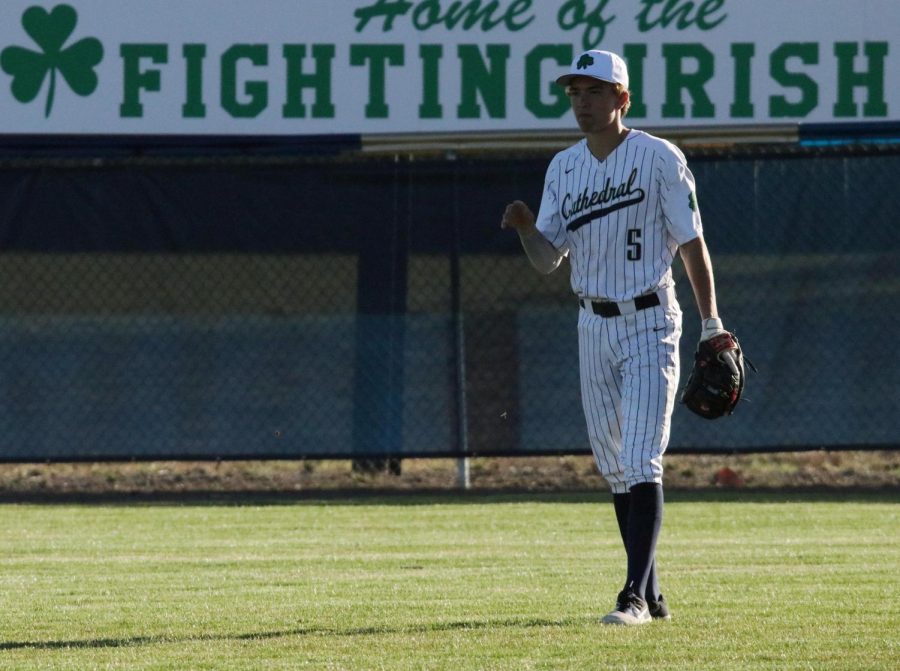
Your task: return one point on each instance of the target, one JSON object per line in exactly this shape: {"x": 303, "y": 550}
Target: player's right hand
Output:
{"x": 519, "y": 217}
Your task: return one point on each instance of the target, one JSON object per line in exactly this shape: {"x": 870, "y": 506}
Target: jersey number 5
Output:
{"x": 634, "y": 244}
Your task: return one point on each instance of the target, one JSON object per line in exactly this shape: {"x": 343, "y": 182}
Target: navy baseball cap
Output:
{"x": 603, "y": 65}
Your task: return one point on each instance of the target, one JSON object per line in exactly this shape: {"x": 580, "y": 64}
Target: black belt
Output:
{"x": 611, "y": 309}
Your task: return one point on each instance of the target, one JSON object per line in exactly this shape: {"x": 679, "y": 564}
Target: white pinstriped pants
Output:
{"x": 629, "y": 380}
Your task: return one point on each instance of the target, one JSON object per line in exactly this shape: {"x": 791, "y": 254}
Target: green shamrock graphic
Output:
{"x": 692, "y": 201}
{"x": 585, "y": 61}
{"x": 76, "y": 63}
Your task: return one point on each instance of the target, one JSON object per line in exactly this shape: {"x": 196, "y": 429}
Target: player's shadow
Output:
{"x": 459, "y": 625}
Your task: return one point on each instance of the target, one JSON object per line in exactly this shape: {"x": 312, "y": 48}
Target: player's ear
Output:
{"x": 624, "y": 99}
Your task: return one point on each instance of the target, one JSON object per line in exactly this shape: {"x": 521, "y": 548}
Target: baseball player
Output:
{"x": 620, "y": 204}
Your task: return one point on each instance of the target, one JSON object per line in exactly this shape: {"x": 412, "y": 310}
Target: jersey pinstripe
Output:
{"x": 620, "y": 220}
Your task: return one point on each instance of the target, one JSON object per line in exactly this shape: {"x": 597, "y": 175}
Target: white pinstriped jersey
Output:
{"x": 620, "y": 220}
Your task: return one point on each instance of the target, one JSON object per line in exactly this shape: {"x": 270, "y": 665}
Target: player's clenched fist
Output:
{"x": 518, "y": 216}
{"x": 543, "y": 256}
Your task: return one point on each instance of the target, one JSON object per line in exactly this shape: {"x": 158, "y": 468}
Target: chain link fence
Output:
{"x": 287, "y": 307}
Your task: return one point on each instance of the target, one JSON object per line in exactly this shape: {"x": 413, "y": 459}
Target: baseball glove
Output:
{"x": 717, "y": 379}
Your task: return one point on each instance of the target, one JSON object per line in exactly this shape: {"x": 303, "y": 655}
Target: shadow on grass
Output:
{"x": 140, "y": 641}
{"x": 389, "y": 497}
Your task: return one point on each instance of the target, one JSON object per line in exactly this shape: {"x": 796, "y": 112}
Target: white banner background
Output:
{"x": 219, "y": 24}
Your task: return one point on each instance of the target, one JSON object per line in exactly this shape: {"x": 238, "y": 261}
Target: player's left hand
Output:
{"x": 716, "y": 383}
{"x": 711, "y": 328}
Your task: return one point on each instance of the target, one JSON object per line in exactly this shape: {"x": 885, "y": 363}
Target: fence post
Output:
{"x": 459, "y": 338}
{"x": 380, "y": 334}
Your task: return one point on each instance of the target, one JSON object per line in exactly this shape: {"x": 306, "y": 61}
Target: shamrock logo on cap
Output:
{"x": 585, "y": 61}
{"x": 76, "y": 63}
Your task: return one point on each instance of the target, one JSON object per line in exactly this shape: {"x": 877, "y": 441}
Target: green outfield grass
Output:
{"x": 755, "y": 581}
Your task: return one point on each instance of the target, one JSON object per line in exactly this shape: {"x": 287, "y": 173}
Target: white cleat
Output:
{"x": 630, "y": 610}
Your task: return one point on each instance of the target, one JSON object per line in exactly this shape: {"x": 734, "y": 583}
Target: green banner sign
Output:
{"x": 295, "y": 67}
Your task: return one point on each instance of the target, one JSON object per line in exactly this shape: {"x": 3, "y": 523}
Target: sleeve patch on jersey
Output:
{"x": 692, "y": 201}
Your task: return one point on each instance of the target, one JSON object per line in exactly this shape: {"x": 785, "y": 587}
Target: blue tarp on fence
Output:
{"x": 333, "y": 308}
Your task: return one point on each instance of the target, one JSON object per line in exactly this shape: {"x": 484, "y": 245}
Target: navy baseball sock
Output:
{"x": 622, "y": 504}
{"x": 645, "y": 512}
